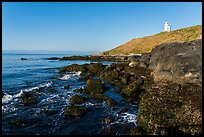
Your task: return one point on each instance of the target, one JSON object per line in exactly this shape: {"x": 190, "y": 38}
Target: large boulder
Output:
{"x": 171, "y": 109}
{"x": 177, "y": 62}
{"x": 131, "y": 92}
{"x": 94, "y": 85}
{"x": 76, "y": 99}
{"x": 28, "y": 98}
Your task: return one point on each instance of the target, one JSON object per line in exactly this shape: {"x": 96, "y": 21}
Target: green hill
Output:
{"x": 146, "y": 44}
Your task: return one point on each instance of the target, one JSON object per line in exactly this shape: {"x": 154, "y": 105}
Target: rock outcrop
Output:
{"x": 173, "y": 105}
{"x": 177, "y": 62}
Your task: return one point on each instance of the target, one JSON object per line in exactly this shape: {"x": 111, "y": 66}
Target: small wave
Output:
{"x": 7, "y": 97}
{"x": 67, "y": 76}
{"x": 128, "y": 118}
{"x": 124, "y": 118}
{"x": 38, "y": 87}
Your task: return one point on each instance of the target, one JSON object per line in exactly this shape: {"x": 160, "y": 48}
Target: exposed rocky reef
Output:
{"x": 165, "y": 83}
{"x": 173, "y": 105}
{"x": 99, "y": 58}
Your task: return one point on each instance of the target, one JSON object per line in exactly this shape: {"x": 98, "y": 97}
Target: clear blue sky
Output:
{"x": 89, "y": 26}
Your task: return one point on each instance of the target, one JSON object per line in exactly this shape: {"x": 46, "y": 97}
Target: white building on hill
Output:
{"x": 167, "y": 27}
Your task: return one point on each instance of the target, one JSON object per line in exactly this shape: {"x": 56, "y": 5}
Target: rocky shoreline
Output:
{"x": 165, "y": 84}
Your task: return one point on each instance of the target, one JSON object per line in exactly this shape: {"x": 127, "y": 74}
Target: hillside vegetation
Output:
{"x": 146, "y": 44}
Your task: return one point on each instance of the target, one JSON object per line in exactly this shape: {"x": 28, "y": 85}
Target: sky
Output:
{"x": 89, "y": 26}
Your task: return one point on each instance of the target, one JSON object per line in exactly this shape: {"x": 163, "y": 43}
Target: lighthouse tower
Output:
{"x": 167, "y": 27}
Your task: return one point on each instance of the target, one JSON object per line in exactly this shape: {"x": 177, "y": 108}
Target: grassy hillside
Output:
{"x": 146, "y": 44}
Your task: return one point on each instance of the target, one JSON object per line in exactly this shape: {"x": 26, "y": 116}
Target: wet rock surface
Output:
{"x": 28, "y": 98}
{"x": 77, "y": 99}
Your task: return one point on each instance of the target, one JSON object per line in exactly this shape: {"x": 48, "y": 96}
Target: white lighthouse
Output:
{"x": 167, "y": 27}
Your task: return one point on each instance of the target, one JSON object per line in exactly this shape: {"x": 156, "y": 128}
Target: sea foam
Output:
{"x": 7, "y": 97}
{"x": 68, "y": 76}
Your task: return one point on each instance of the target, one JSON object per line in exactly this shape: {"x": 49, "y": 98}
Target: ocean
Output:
{"x": 46, "y": 117}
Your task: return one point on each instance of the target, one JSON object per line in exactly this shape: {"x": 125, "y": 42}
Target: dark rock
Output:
{"x": 76, "y": 99}
{"x": 36, "y": 90}
{"x": 108, "y": 120}
{"x": 94, "y": 68}
{"x": 73, "y": 68}
{"x": 94, "y": 86}
{"x": 75, "y": 58}
{"x": 118, "y": 86}
{"x": 131, "y": 91}
{"x": 137, "y": 131}
{"x": 144, "y": 60}
{"x": 109, "y": 76}
{"x": 110, "y": 102}
{"x": 27, "y": 98}
{"x": 164, "y": 107}
{"x": 177, "y": 62}
{"x": 66, "y": 86}
{"x": 80, "y": 90}
{"x": 85, "y": 76}
{"x": 75, "y": 111}
{"x": 97, "y": 96}
{"x": 24, "y": 59}
{"x": 53, "y": 58}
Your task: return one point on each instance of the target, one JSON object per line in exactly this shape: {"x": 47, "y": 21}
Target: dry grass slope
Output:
{"x": 146, "y": 44}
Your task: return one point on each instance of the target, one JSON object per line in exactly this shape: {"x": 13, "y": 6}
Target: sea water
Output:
{"x": 46, "y": 117}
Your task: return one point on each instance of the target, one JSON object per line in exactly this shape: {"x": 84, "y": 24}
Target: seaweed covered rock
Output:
{"x": 85, "y": 76}
{"x": 110, "y": 102}
{"x": 171, "y": 109}
{"x": 75, "y": 111}
{"x": 76, "y": 99}
{"x": 28, "y": 98}
{"x": 94, "y": 67}
{"x": 95, "y": 89}
{"x": 177, "y": 62}
{"x": 73, "y": 68}
{"x": 97, "y": 96}
{"x": 94, "y": 86}
{"x": 131, "y": 92}
{"x": 109, "y": 76}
